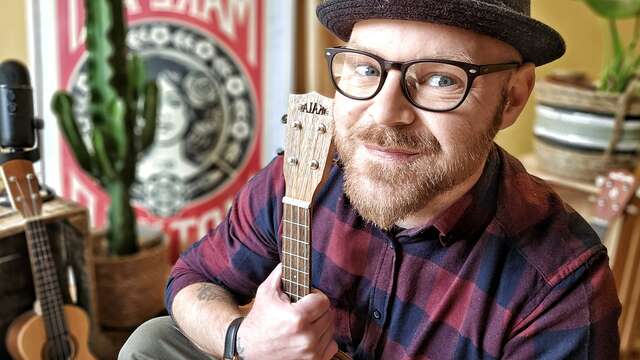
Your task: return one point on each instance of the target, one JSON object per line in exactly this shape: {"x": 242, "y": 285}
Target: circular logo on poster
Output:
{"x": 206, "y": 118}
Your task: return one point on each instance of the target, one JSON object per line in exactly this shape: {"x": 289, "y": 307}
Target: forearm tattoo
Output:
{"x": 210, "y": 292}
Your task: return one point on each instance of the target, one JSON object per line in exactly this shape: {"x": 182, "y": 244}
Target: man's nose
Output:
{"x": 390, "y": 107}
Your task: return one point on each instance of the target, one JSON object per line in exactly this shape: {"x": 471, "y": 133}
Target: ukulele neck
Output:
{"x": 296, "y": 248}
{"x": 45, "y": 279}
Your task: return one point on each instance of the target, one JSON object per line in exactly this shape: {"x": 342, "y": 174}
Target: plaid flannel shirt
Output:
{"x": 508, "y": 271}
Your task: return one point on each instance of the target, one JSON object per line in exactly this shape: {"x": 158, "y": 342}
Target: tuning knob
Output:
{"x": 283, "y": 119}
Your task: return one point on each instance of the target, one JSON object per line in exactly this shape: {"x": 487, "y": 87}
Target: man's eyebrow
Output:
{"x": 456, "y": 55}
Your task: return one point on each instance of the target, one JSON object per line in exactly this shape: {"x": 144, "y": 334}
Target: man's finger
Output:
{"x": 314, "y": 305}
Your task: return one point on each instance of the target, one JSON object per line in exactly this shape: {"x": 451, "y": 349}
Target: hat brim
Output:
{"x": 536, "y": 42}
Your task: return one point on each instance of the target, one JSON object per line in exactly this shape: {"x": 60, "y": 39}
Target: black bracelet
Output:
{"x": 230, "y": 351}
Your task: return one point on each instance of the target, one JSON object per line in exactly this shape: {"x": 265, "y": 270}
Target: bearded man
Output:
{"x": 429, "y": 241}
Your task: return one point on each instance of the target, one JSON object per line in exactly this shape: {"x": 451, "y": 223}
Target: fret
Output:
{"x": 302, "y": 258}
{"x": 295, "y": 223}
{"x": 45, "y": 271}
{"x": 294, "y": 297}
{"x": 48, "y": 292}
{"x": 294, "y": 282}
{"x": 49, "y": 287}
{"x": 294, "y": 278}
{"x": 296, "y": 270}
{"x": 294, "y": 239}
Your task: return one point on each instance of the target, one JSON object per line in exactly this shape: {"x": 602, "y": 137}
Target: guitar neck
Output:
{"x": 296, "y": 249}
{"x": 45, "y": 279}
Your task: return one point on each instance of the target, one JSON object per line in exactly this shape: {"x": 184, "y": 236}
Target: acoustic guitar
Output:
{"x": 55, "y": 330}
{"x": 308, "y": 157}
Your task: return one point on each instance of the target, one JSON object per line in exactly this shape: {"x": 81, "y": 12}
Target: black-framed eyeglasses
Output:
{"x": 429, "y": 84}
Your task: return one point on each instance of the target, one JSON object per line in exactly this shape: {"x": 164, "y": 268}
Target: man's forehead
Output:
{"x": 421, "y": 53}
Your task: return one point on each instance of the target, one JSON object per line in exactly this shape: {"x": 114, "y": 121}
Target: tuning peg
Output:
{"x": 283, "y": 119}
{"x": 322, "y": 129}
{"x": 314, "y": 165}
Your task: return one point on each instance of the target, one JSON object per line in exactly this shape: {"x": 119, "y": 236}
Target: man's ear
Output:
{"x": 518, "y": 92}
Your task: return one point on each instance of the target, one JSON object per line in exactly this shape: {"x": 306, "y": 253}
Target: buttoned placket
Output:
{"x": 383, "y": 291}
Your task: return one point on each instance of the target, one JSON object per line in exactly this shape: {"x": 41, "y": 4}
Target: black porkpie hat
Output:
{"x": 506, "y": 20}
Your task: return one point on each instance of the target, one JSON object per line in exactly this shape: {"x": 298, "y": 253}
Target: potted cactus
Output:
{"x": 122, "y": 110}
{"x": 582, "y": 127}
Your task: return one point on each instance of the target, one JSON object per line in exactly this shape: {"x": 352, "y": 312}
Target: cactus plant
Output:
{"x": 122, "y": 111}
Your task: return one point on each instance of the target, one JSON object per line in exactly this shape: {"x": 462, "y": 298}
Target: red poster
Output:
{"x": 205, "y": 56}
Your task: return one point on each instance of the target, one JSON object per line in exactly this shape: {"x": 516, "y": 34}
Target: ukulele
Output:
{"x": 58, "y": 331}
{"x": 615, "y": 192}
{"x": 308, "y": 157}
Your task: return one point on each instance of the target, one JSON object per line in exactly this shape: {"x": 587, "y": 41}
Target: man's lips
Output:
{"x": 394, "y": 154}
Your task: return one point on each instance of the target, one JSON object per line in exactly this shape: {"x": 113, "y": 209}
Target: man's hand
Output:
{"x": 275, "y": 328}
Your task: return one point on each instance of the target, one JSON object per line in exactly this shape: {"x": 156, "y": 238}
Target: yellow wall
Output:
{"x": 13, "y": 30}
{"x": 587, "y": 39}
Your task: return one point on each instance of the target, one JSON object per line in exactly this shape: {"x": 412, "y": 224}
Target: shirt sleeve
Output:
{"x": 243, "y": 249}
{"x": 576, "y": 319}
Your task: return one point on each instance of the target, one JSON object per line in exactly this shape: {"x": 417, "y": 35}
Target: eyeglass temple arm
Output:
{"x": 488, "y": 69}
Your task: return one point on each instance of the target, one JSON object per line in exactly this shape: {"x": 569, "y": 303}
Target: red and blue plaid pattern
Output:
{"x": 508, "y": 271}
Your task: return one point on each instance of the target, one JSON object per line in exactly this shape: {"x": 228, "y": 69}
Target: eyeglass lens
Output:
{"x": 432, "y": 85}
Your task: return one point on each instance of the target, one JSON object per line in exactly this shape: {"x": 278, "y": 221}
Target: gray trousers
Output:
{"x": 160, "y": 338}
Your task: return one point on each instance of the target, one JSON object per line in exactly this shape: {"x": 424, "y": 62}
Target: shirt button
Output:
{"x": 376, "y": 314}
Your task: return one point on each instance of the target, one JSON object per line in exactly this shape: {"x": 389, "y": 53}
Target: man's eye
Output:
{"x": 441, "y": 81}
{"x": 367, "y": 70}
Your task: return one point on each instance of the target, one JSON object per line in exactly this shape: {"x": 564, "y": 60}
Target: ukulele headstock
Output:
{"x": 308, "y": 145}
{"x": 22, "y": 187}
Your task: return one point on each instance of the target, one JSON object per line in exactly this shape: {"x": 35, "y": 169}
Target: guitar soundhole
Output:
{"x": 59, "y": 349}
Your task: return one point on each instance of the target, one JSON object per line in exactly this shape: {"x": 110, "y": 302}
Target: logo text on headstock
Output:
{"x": 313, "y": 108}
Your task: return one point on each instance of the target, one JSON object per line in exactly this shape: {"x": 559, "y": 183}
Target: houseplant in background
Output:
{"x": 582, "y": 128}
{"x": 123, "y": 106}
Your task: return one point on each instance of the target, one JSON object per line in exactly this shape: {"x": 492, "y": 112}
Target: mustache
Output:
{"x": 398, "y": 138}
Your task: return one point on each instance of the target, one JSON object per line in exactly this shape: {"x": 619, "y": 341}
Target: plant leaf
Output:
{"x": 614, "y": 9}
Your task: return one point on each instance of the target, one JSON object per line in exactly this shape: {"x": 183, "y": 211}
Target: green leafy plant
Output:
{"x": 123, "y": 111}
{"x": 625, "y": 61}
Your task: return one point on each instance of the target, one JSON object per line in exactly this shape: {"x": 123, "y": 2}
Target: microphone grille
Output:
{"x": 14, "y": 73}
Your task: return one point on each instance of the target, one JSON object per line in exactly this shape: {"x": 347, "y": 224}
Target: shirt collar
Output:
{"x": 469, "y": 215}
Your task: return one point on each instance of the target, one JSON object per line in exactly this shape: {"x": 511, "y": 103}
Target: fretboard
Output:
{"x": 296, "y": 250}
{"x": 45, "y": 279}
